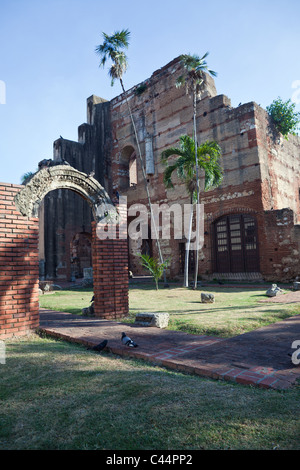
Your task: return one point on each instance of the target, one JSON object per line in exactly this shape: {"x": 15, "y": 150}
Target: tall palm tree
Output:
{"x": 194, "y": 80}
{"x": 112, "y": 49}
{"x": 208, "y": 160}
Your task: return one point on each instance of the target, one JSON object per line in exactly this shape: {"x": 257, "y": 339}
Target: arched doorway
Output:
{"x": 236, "y": 244}
{"x": 20, "y": 283}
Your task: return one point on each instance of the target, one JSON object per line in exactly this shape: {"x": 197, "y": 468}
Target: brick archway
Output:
{"x": 19, "y": 226}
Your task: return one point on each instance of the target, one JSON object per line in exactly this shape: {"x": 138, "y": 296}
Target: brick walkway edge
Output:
{"x": 259, "y": 358}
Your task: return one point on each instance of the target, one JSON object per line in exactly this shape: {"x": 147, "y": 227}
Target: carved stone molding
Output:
{"x": 63, "y": 176}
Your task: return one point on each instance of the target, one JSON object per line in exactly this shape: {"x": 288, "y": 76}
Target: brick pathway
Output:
{"x": 258, "y": 358}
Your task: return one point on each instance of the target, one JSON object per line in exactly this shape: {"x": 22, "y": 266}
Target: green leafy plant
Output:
{"x": 284, "y": 116}
{"x": 155, "y": 267}
{"x": 140, "y": 89}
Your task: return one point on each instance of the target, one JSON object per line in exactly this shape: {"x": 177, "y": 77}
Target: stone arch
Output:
{"x": 61, "y": 176}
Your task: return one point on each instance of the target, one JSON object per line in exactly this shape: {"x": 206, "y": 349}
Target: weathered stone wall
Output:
{"x": 19, "y": 276}
{"x": 280, "y": 166}
{"x": 261, "y": 173}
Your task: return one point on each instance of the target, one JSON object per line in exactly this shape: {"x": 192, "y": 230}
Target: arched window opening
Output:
{"x": 128, "y": 168}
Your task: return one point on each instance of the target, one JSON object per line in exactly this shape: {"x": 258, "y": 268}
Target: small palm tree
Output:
{"x": 194, "y": 80}
{"x": 155, "y": 267}
{"x": 113, "y": 49}
{"x": 208, "y": 160}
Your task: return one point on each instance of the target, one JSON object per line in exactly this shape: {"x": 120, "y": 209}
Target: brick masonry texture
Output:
{"x": 19, "y": 278}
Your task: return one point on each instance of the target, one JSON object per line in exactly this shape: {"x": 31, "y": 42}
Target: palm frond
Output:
{"x": 180, "y": 81}
{"x": 170, "y": 152}
{"x": 111, "y": 49}
{"x": 168, "y": 175}
{"x": 195, "y": 69}
{"x": 208, "y": 159}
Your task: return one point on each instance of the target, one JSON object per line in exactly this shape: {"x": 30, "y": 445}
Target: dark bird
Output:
{"x": 61, "y": 137}
{"x": 92, "y": 300}
{"x": 100, "y": 346}
{"x": 127, "y": 341}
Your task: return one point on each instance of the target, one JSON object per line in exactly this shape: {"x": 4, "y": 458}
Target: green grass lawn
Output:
{"x": 68, "y": 300}
{"x": 56, "y": 395}
{"x": 235, "y": 311}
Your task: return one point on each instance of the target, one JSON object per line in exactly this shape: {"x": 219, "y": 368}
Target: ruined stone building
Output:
{"x": 252, "y": 221}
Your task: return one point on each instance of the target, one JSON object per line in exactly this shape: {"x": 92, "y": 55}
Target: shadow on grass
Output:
{"x": 56, "y": 398}
{"x": 218, "y": 309}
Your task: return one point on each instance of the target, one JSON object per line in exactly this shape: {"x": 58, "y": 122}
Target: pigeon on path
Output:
{"x": 128, "y": 341}
{"x": 100, "y": 346}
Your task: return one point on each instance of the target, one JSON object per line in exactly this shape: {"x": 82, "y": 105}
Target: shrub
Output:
{"x": 284, "y": 116}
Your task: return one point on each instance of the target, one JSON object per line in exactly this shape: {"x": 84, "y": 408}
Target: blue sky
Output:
{"x": 49, "y": 67}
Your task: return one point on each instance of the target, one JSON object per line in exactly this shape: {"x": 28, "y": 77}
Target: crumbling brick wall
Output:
{"x": 19, "y": 276}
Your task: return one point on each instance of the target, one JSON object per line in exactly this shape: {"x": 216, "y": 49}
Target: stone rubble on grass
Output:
{"x": 274, "y": 290}
{"x": 88, "y": 311}
{"x": 207, "y": 298}
{"x": 158, "y": 319}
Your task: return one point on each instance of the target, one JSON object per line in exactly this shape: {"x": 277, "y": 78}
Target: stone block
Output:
{"x": 207, "y": 298}
{"x": 273, "y": 291}
{"x": 159, "y": 319}
{"x": 88, "y": 311}
{"x": 296, "y": 285}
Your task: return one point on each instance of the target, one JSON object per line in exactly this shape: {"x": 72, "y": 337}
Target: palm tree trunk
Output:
{"x": 198, "y": 190}
{"x": 187, "y": 249}
{"x": 144, "y": 176}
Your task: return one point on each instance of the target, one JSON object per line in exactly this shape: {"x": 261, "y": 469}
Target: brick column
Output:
{"x": 19, "y": 273}
{"x": 110, "y": 271}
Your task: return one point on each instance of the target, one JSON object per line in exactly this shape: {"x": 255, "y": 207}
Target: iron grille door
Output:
{"x": 236, "y": 246}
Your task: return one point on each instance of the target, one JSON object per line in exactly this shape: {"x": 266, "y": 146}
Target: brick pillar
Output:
{"x": 19, "y": 272}
{"x": 110, "y": 271}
